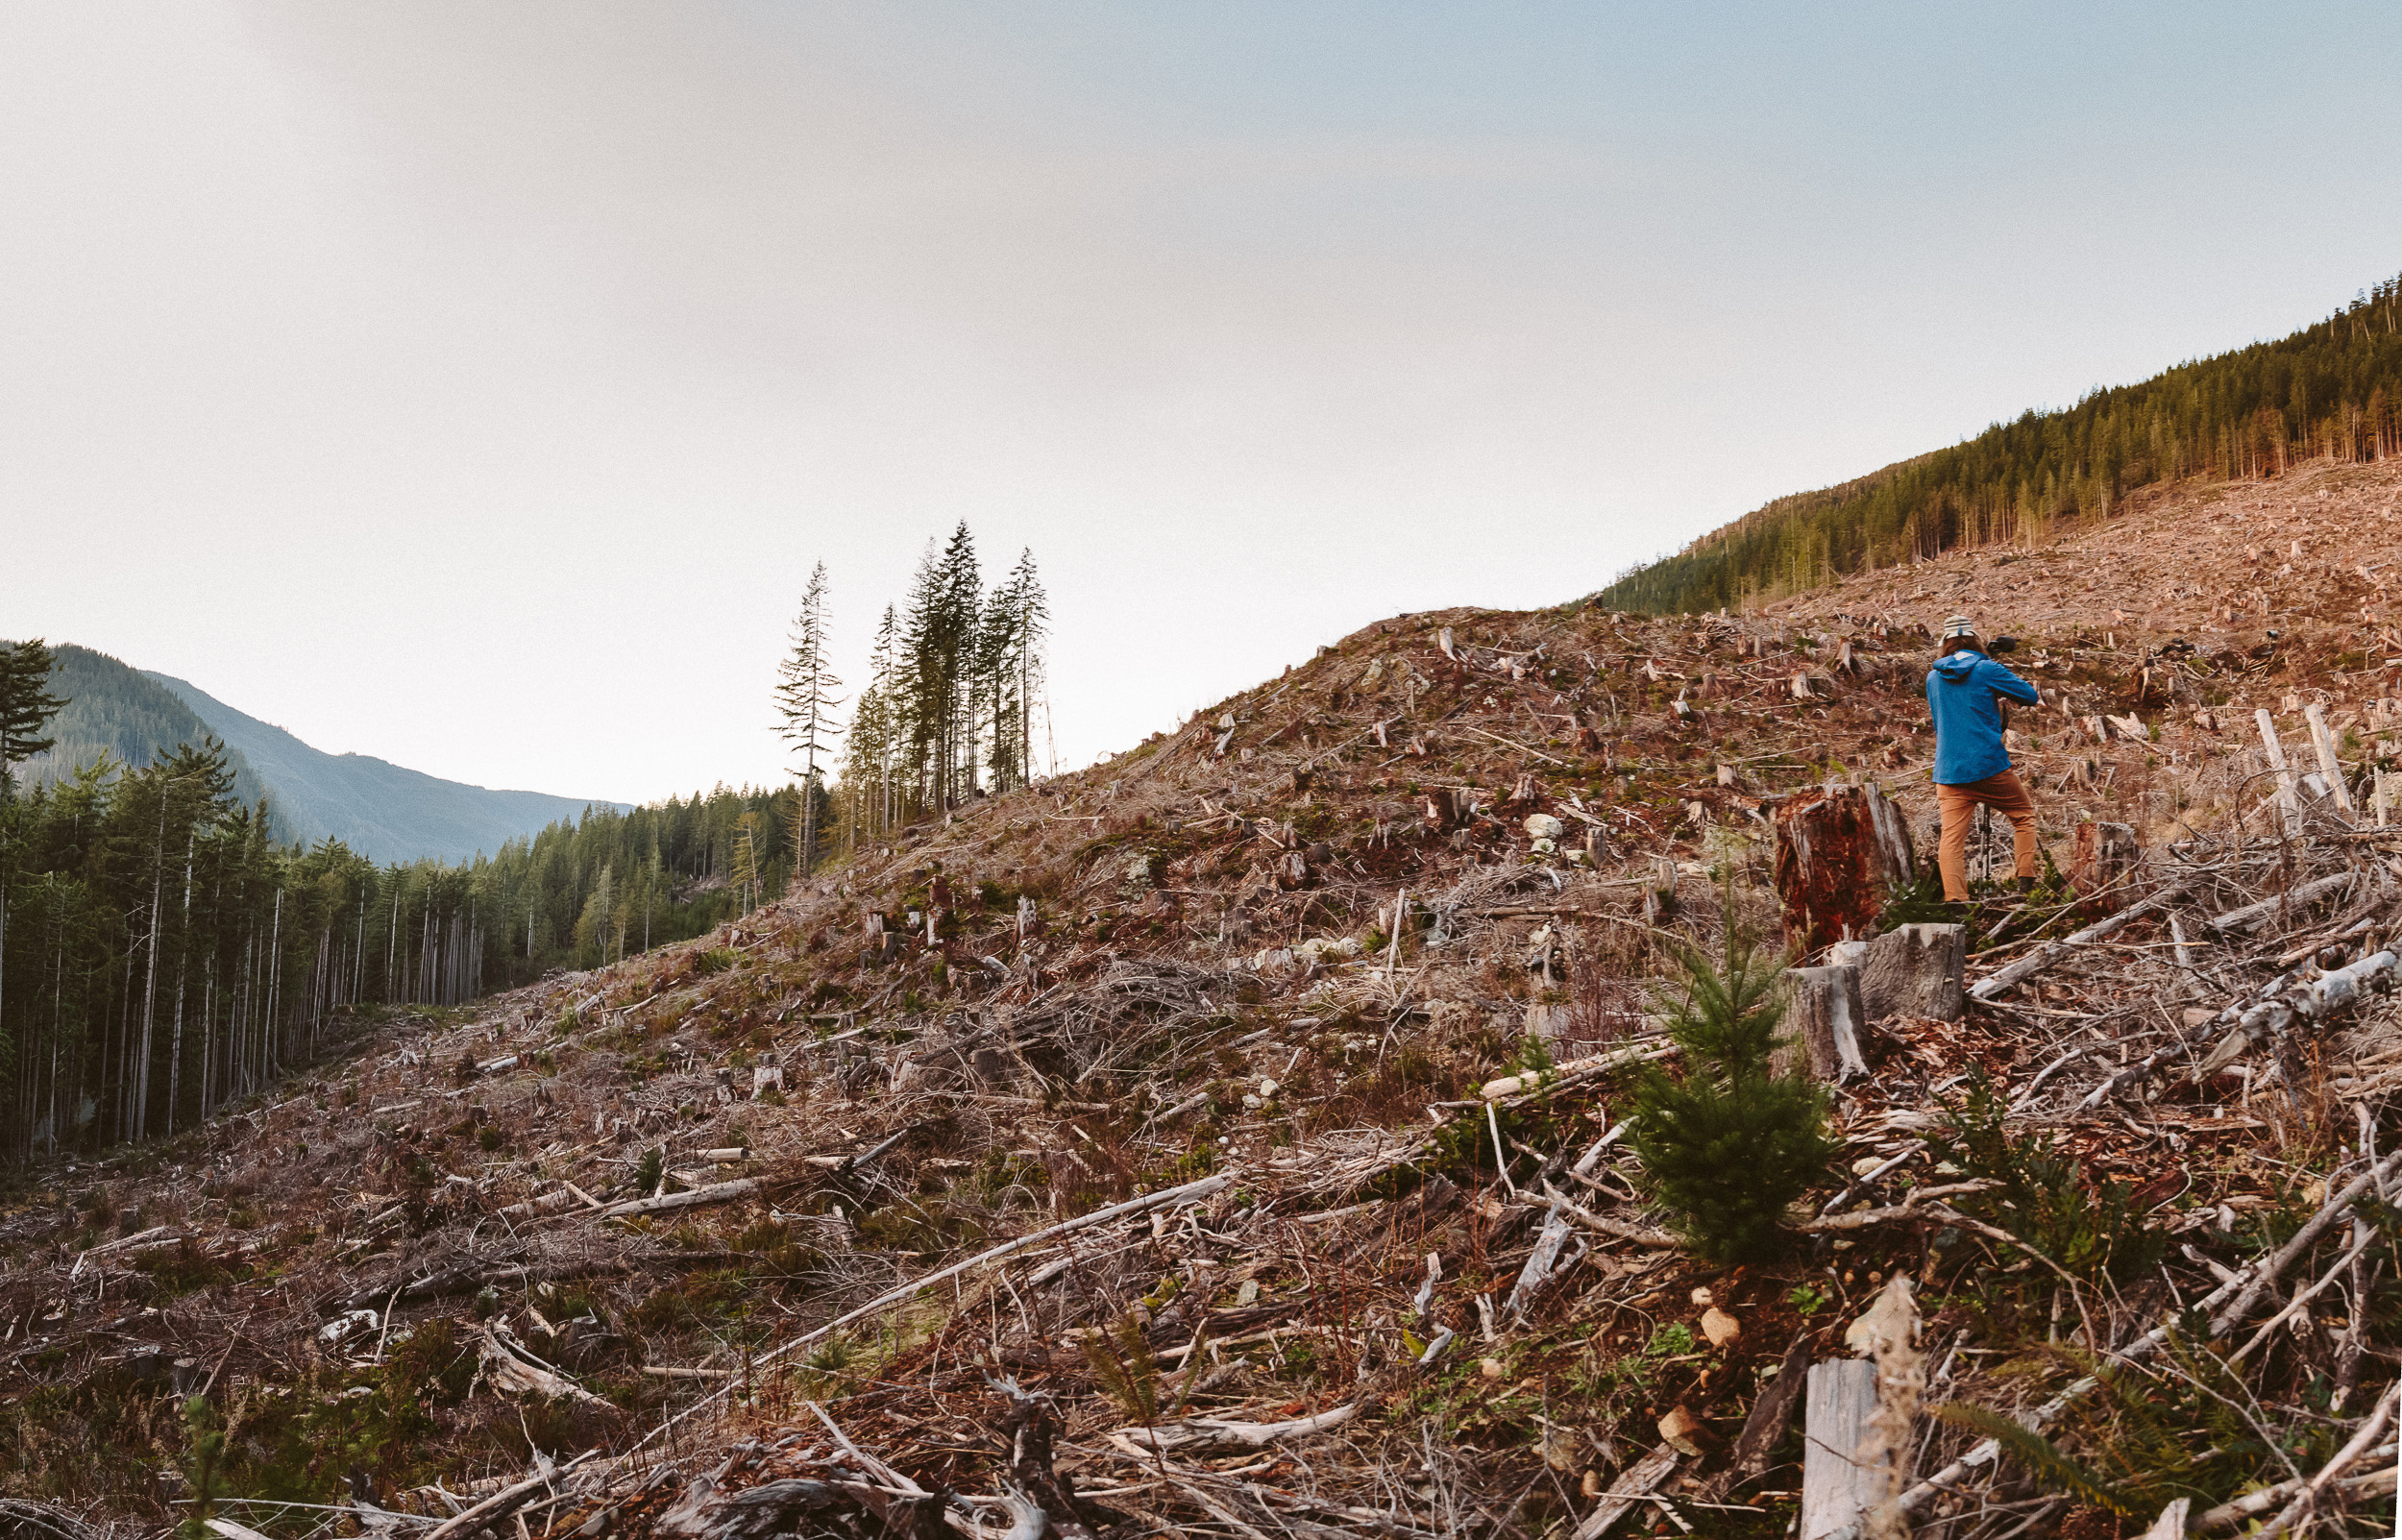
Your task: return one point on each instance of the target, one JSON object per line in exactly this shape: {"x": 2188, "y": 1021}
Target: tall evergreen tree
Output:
{"x": 806, "y": 701}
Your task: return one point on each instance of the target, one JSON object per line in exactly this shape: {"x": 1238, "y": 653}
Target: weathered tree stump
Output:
{"x": 1836, "y": 1489}
{"x": 2100, "y": 862}
{"x": 1827, "y": 1015}
{"x": 1917, "y": 970}
{"x": 1838, "y": 851}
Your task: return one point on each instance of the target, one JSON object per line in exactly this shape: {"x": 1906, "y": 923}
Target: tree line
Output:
{"x": 952, "y": 703}
{"x": 2329, "y": 391}
{"x": 161, "y": 954}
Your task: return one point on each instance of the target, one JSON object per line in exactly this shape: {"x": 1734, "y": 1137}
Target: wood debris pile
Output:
{"x": 1232, "y": 1138}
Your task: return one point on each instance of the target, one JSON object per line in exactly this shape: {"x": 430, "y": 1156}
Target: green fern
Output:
{"x": 2042, "y": 1193}
{"x": 1122, "y": 1361}
{"x": 2051, "y": 1465}
{"x": 2143, "y": 1436}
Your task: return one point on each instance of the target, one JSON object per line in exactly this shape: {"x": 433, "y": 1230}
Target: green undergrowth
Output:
{"x": 2042, "y": 1194}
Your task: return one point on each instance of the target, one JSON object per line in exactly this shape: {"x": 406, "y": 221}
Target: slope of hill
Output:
{"x": 1227, "y": 1136}
{"x": 382, "y": 810}
{"x": 113, "y": 711}
{"x": 2333, "y": 390}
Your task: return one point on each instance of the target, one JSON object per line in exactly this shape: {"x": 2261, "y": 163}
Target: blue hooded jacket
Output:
{"x": 1960, "y": 691}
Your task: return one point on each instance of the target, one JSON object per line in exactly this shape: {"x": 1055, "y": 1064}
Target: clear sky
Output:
{"x": 474, "y": 385}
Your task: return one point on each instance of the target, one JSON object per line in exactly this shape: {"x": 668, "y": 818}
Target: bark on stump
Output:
{"x": 2100, "y": 863}
{"x": 1917, "y": 970}
{"x": 1826, "y": 1013}
{"x": 1838, "y": 850}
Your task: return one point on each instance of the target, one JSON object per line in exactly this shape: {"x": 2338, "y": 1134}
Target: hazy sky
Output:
{"x": 474, "y": 385}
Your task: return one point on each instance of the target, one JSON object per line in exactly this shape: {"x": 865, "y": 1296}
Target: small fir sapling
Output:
{"x": 1728, "y": 1143}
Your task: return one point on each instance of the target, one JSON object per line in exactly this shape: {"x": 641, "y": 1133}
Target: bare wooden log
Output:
{"x": 1631, "y": 1487}
{"x": 1765, "y": 1427}
{"x": 2251, "y": 915}
{"x": 2230, "y": 1514}
{"x": 2044, "y": 957}
{"x": 1916, "y": 971}
{"x": 502, "y": 1503}
{"x": 1836, "y": 1489}
{"x": 2323, "y": 740}
{"x": 715, "y": 1192}
{"x": 2289, "y": 798}
{"x": 1212, "y": 1431}
{"x": 1827, "y": 1010}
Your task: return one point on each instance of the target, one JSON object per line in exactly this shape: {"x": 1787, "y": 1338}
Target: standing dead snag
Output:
{"x": 1838, "y": 850}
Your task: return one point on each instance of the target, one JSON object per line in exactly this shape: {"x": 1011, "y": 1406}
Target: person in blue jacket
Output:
{"x": 1964, "y": 691}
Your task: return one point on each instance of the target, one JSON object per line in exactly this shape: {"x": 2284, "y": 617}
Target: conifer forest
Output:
{"x": 162, "y": 955}
{"x": 2330, "y": 391}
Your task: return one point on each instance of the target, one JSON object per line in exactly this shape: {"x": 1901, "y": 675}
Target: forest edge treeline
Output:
{"x": 2332, "y": 390}
{"x": 161, "y": 954}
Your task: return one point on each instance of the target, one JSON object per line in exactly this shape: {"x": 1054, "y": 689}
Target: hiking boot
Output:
{"x": 2025, "y": 886}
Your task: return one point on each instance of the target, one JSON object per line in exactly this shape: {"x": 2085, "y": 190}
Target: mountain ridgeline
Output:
{"x": 380, "y": 810}
{"x": 2329, "y": 391}
{"x": 162, "y": 952}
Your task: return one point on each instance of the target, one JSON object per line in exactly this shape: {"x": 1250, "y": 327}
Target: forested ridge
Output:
{"x": 111, "y": 710}
{"x": 162, "y": 954}
{"x": 385, "y": 812}
{"x": 2329, "y": 391}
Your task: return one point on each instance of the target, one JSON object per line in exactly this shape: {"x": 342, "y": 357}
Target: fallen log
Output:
{"x": 715, "y": 1192}
{"x": 1191, "y": 1431}
{"x": 502, "y": 1503}
{"x": 2044, "y": 957}
{"x": 2314, "y": 1001}
{"x": 2250, "y": 916}
{"x": 1640, "y": 1234}
{"x": 1632, "y": 1486}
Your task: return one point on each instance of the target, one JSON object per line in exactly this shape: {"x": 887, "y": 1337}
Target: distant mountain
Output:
{"x": 382, "y": 810}
{"x": 112, "y": 710}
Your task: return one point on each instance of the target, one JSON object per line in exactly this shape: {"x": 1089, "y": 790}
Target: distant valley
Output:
{"x": 384, "y": 811}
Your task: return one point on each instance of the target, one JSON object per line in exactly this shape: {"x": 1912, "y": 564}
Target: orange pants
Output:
{"x": 2002, "y": 794}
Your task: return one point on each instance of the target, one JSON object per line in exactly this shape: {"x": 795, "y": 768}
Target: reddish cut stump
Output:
{"x": 2100, "y": 863}
{"x": 1838, "y": 850}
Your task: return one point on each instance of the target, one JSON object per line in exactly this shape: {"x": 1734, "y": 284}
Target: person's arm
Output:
{"x": 2002, "y": 682}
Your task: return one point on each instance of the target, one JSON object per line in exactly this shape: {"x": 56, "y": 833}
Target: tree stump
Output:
{"x": 1827, "y": 1015}
{"x": 1917, "y": 970}
{"x": 1838, "y": 851}
{"x": 1836, "y": 1489}
{"x": 2100, "y": 862}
